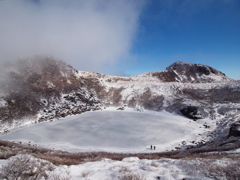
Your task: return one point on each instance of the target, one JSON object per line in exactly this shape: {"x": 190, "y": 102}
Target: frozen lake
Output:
{"x": 110, "y": 130}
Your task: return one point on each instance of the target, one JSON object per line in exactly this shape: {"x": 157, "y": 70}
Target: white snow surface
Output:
{"x": 133, "y": 87}
{"x": 3, "y": 103}
{"x": 112, "y": 130}
{"x": 139, "y": 169}
{"x": 165, "y": 169}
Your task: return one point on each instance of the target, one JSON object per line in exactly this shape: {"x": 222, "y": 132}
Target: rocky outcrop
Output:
{"x": 188, "y": 72}
{"x": 191, "y": 112}
{"x": 47, "y": 86}
{"x": 234, "y": 130}
{"x": 70, "y": 104}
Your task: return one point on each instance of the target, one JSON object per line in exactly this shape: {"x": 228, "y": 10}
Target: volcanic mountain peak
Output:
{"x": 197, "y": 68}
{"x": 177, "y": 72}
{"x": 190, "y": 73}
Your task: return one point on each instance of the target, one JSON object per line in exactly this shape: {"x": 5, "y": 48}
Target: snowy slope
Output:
{"x": 182, "y": 85}
{"x": 136, "y": 90}
{"x": 131, "y": 168}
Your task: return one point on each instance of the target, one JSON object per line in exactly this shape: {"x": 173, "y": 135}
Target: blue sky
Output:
{"x": 124, "y": 37}
{"x": 196, "y": 31}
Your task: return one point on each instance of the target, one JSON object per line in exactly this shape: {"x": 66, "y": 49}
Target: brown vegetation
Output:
{"x": 25, "y": 167}
{"x": 56, "y": 157}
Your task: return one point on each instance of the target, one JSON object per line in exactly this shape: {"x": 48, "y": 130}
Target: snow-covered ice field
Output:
{"x": 111, "y": 130}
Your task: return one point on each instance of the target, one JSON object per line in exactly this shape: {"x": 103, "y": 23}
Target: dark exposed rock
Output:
{"x": 234, "y": 130}
{"x": 121, "y": 108}
{"x": 191, "y": 112}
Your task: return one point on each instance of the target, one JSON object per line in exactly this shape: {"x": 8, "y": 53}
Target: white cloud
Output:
{"x": 87, "y": 34}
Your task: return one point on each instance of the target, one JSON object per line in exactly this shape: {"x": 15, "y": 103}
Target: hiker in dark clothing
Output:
{"x": 151, "y": 146}
{"x": 154, "y": 147}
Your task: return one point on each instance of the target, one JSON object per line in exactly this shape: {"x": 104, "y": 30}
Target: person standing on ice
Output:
{"x": 151, "y": 146}
{"x": 154, "y": 147}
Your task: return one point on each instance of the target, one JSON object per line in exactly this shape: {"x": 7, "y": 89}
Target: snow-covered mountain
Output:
{"x": 185, "y": 73}
{"x": 193, "y": 90}
{"x": 180, "y": 85}
{"x": 188, "y": 72}
{"x": 45, "y": 88}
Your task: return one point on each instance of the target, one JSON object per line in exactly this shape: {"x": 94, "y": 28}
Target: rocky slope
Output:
{"x": 193, "y": 90}
{"x": 45, "y": 88}
{"x": 194, "y": 73}
{"x": 186, "y": 73}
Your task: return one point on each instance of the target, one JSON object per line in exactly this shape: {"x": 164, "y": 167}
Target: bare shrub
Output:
{"x": 127, "y": 174}
{"x": 218, "y": 169}
{"x": 130, "y": 176}
{"x": 6, "y": 154}
{"x": 63, "y": 175}
{"x": 124, "y": 169}
{"x": 230, "y": 171}
{"x": 25, "y": 167}
{"x": 154, "y": 164}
